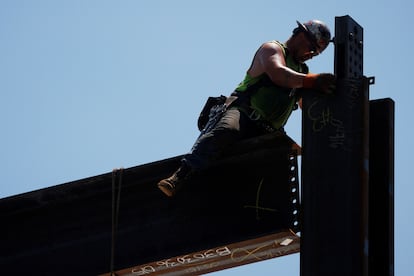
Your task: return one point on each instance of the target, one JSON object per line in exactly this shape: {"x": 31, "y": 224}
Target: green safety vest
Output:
{"x": 272, "y": 102}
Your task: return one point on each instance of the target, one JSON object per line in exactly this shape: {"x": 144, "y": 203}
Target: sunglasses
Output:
{"x": 313, "y": 46}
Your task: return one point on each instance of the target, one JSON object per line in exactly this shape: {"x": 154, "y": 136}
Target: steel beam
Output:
{"x": 219, "y": 258}
{"x": 381, "y": 188}
{"x": 335, "y": 166}
{"x": 251, "y": 193}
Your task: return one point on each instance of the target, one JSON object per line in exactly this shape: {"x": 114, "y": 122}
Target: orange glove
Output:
{"x": 325, "y": 82}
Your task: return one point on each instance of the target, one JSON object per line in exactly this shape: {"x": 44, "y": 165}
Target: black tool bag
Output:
{"x": 205, "y": 112}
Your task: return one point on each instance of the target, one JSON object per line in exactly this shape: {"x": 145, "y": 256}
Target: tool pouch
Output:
{"x": 205, "y": 112}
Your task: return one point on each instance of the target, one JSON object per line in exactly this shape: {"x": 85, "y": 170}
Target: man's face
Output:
{"x": 306, "y": 48}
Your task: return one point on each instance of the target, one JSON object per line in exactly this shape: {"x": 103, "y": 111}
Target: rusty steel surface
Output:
{"x": 219, "y": 258}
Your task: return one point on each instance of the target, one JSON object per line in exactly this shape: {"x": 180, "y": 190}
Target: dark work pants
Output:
{"x": 233, "y": 126}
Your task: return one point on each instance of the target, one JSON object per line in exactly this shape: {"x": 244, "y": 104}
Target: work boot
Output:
{"x": 172, "y": 184}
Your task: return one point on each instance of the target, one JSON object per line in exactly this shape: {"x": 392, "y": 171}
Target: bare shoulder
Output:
{"x": 271, "y": 47}
{"x": 269, "y": 56}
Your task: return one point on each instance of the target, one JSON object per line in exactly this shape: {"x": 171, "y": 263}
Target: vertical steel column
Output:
{"x": 381, "y": 188}
{"x": 334, "y": 236}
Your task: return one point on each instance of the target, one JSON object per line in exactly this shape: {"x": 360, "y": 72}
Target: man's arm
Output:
{"x": 270, "y": 60}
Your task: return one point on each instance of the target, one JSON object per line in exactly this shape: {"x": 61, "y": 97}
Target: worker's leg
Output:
{"x": 233, "y": 126}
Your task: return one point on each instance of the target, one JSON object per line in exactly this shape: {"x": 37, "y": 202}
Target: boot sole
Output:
{"x": 165, "y": 188}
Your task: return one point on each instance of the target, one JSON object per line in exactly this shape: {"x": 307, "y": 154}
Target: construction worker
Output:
{"x": 263, "y": 101}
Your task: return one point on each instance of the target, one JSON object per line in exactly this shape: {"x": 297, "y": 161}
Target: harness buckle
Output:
{"x": 254, "y": 115}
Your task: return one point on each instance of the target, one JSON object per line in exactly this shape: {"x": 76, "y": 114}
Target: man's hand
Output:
{"x": 324, "y": 82}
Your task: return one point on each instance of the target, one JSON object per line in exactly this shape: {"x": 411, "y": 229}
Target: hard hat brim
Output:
{"x": 301, "y": 26}
{"x": 309, "y": 34}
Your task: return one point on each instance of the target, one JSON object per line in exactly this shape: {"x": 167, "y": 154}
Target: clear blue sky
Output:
{"x": 91, "y": 85}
